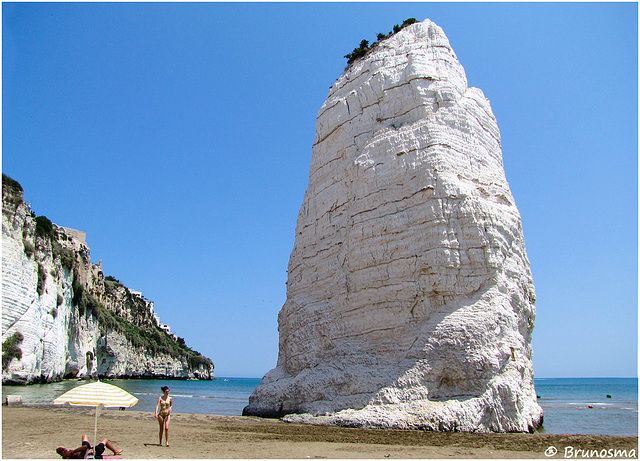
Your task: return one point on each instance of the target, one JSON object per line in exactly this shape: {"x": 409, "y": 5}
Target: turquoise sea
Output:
{"x": 566, "y": 402}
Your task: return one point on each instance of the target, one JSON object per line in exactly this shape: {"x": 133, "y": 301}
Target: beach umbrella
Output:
{"x": 95, "y": 395}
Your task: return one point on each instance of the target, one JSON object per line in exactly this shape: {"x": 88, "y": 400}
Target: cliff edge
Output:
{"x": 61, "y": 318}
{"x": 410, "y": 301}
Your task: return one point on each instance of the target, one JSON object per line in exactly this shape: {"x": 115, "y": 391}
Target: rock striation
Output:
{"x": 410, "y": 301}
{"x": 61, "y": 318}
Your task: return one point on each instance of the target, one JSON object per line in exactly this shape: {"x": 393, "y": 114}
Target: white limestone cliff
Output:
{"x": 41, "y": 304}
{"x": 410, "y": 301}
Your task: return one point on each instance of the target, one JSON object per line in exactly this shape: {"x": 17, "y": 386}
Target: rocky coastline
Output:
{"x": 63, "y": 319}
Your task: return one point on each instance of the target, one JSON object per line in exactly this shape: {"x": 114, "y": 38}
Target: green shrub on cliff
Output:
{"x": 66, "y": 256}
{"x": 11, "y": 350}
{"x": 91, "y": 304}
{"x": 358, "y": 52}
{"x": 44, "y": 227}
{"x": 195, "y": 360}
{"x": 113, "y": 280}
{"x": 107, "y": 320}
{"x": 151, "y": 339}
{"x": 84, "y": 300}
{"x": 13, "y": 185}
{"x": 42, "y": 279}
{"x": 78, "y": 290}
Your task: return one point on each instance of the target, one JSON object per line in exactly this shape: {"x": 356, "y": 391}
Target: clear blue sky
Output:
{"x": 178, "y": 136}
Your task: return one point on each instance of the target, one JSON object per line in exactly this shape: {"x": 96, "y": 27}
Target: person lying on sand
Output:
{"x": 81, "y": 451}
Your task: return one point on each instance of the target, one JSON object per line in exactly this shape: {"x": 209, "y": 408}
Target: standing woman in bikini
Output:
{"x": 164, "y": 415}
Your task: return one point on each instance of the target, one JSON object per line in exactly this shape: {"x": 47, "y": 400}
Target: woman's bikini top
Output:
{"x": 164, "y": 405}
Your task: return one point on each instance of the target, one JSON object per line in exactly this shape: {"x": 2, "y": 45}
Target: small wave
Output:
{"x": 217, "y": 397}
{"x": 613, "y": 407}
{"x": 198, "y": 396}
{"x": 595, "y": 404}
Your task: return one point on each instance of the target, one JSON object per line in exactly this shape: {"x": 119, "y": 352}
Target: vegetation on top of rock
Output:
{"x": 11, "y": 191}
{"x": 364, "y": 47}
{"x": 111, "y": 285}
{"x": 14, "y": 186}
{"x": 44, "y": 227}
{"x": 152, "y": 339}
{"x": 45, "y": 230}
{"x": 358, "y": 52}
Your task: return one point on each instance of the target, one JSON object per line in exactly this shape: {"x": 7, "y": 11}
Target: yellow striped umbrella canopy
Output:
{"x": 94, "y": 395}
{"x": 98, "y": 393}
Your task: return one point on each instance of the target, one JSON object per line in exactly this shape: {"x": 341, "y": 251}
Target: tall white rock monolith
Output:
{"x": 410, "y": 301}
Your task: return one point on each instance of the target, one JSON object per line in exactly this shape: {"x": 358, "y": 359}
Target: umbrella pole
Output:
{"x": 95, "y": 430}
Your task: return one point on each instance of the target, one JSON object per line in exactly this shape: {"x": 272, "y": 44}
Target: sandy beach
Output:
{"x": 35, "y": 432}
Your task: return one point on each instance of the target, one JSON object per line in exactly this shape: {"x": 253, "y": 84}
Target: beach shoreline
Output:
{"x": 35, "y": 432}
